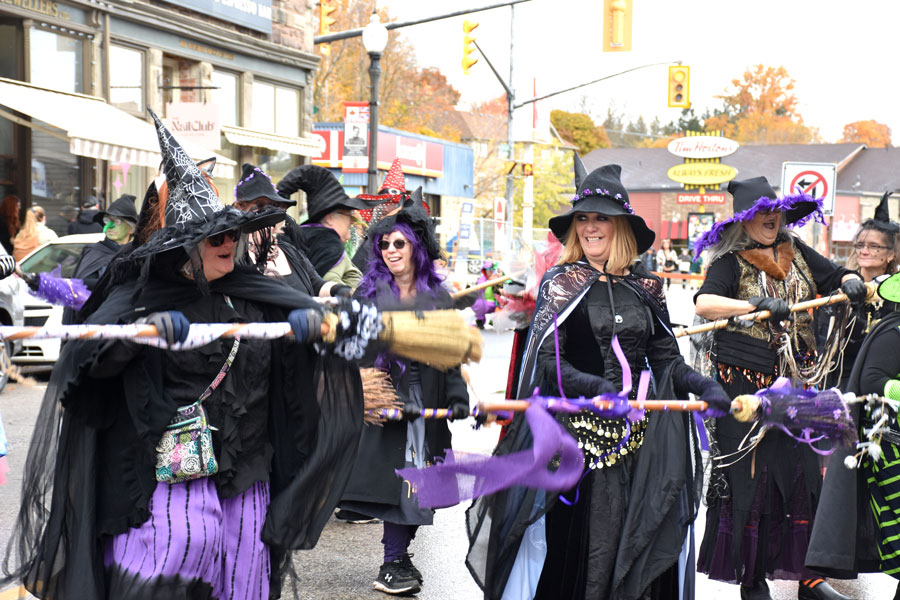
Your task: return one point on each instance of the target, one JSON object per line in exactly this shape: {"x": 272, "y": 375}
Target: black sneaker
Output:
{"x": 395, "y": 578}
{"x": 406, "y": 561}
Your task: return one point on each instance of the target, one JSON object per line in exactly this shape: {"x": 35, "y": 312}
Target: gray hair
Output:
{"x": 735, "y": 239}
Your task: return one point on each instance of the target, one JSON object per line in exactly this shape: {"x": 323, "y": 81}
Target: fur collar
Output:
{"x": 759, "y": 258}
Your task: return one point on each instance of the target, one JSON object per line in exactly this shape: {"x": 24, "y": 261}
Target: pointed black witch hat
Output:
{"x": 415, "y": 214}
{"x": 324, "y": 193}
{"x": 580, "y": 171}
{"x": 193, "y": 211}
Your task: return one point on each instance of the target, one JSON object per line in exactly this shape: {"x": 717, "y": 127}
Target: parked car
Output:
{"x": 12, "y": 312}
{"x": 63, "y": 252}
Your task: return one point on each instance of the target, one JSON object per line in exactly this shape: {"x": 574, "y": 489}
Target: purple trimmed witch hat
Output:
{"x": 751, "y": 196}
{"x": 602, "y": 192}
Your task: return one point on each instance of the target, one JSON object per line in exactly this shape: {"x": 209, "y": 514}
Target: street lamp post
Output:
{"x": 375, "y": 38}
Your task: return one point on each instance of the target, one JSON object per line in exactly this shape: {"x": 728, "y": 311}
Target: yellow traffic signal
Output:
{"x": 617, "y": 25}
{"x": 679, "y": 86}
{"x": 326, "y": 7}
{"x": 468, "y": 46}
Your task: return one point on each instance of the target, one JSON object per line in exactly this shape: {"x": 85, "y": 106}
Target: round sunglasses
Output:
{"x": 398, "y": 244}
{"x": 218, "y": 239}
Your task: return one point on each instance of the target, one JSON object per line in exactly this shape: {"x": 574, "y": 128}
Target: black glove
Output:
{"x": 778, "y": 307}
{"x": 7, "y": 266}
{"x": 686, "y": 379}
{"x": 171, "y": 325}
{"x": 718, "y": 401}
{"x": 578, "y": 383}
{"x": 340, "y": 290}
{"x": 411, "y": 412}
{"x": 32, "y": 279}
{"x": 306, "y": 324}
{"x": 856, "y": 290}
{"x": 459, "y": 411}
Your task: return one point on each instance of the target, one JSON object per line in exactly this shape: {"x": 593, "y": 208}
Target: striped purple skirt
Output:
{"x": 194, "y": 546}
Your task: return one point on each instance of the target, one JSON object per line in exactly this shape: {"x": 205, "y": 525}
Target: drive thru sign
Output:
{"x": 814, "y": 179}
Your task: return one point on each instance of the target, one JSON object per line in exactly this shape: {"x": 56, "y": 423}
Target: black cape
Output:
{"x": 320, "y": 244}
{"x": 315, "y": 418}
{"x": 845, "y": 493}
{"x": 667, "y": 473}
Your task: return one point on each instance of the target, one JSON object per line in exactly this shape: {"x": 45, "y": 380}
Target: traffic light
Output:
{"x": 527, "y": 169}
{"x": 679, "y": 86}
{"x": 326, "y": 7}
{"x": 617, "y": 25}
{"x": 468, "y": 46}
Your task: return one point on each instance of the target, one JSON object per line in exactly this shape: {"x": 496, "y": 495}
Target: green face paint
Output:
{"x": 121, "y": 233}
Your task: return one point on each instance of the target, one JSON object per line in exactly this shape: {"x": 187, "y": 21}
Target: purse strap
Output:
{"x": 224, "y": 370}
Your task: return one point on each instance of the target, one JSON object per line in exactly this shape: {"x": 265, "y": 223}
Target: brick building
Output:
{"x": 77, "y": 75}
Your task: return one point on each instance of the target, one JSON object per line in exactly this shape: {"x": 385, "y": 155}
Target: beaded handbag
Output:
{"x": 185, "y": 451}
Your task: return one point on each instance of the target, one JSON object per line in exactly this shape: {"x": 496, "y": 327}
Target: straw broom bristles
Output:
{"x": 439, "y": 338}
{"x": 378, "y": 394}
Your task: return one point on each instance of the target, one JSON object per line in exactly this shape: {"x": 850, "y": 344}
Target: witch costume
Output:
{"x": 760, "y": 506}
{"x": 99, "y": 517}
{"x": 255, "y": 184}
{"x": 625, "y": 530}
{"x": 375, "y": 490}
{"x": 388, "y": 199}
{"x": 321, "y": 244}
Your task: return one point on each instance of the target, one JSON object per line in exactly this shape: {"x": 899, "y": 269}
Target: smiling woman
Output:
{"x": 756, "y": 264}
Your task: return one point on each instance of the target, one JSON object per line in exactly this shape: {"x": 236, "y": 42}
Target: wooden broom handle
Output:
{"x": 764, "y": 314}
{"x": 485, "y": 285}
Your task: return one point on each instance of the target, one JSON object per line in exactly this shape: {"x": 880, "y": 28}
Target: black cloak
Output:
{"x": 845, "y": 492}
{"x": 667, "y": 473}
{"x": 73, "y": 494}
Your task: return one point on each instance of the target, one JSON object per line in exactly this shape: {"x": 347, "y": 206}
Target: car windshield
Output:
{"x": 46, "y": 259}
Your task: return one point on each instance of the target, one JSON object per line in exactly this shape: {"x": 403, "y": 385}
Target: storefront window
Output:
{"x": 263, "y": 107}
{"x": 287, "y": 112}
{"x": 276, "y": 109}
{"x": 126, "y": 78}
{"x": 55, "y": 174}
{"x": 125, "y": 178}
{"x": 225, "y": 96}
{"x": 57, "y": 61}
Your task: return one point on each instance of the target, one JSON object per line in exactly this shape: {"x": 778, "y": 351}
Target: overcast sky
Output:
{"x": 843, "y": 54}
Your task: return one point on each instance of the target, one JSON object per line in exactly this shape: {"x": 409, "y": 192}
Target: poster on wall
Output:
{"x": 698, "y": 224}
{"x": 355, "y": 156}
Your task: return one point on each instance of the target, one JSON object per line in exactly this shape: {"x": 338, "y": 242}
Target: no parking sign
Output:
{"x": 814, "y": 179}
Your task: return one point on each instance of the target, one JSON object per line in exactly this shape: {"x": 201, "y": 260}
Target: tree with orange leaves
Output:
{"x": 871, "y": 133}
{"x": 411, "y": 98}
{"x": 761, "y": 108}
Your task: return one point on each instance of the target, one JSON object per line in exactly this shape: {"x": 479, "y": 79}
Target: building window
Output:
{"x": 276, "y": 109}
{"x": 225, "y": 96}
{"x": 57, "y": 61}
{"x": 126, "y": 78}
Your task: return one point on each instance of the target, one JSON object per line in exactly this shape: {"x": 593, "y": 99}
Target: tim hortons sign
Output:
{"x": 703, "y": 146}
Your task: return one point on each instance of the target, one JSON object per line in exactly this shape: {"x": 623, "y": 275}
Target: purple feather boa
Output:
{"x": 784, "y": 204}
{"x": 71, "y": 293}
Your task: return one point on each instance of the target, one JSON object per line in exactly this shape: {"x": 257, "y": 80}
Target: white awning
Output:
{"x": 94, "y": 128}
{"x": 292, "y": 145}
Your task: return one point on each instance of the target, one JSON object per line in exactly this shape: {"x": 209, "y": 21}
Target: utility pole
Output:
{"x": 510, "y": 99}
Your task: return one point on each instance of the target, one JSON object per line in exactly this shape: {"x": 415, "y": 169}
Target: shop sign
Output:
{"x": 255, "y": 14}
{"x": 700, "y": 198}
{"x": 418, "y": 156}
{"x": 702, "y": 173}
{"x": 355, "y": 157}
{"x": 44, "y": 7}
{"x": 703, "y": 146}
{"x": 195, "y": 121}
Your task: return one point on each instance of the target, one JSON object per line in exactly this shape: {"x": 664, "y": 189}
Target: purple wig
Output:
{"x": 427, "y": 279}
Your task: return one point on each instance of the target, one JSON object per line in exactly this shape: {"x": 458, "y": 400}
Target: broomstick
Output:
{"x": 485, "y": 285}
{"x": 823, "y": 414}
{"x": 765, "y": 314}
{"x": 440, "y": 338}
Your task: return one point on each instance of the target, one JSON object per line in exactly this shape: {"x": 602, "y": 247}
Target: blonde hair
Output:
{"x": 622, "y": 252}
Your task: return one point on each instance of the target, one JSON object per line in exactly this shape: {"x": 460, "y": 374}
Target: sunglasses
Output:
{"x": 218, "y": 239}
{"x": 398, "y": 244}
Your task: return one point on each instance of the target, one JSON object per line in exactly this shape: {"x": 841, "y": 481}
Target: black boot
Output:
{"x": 818, "y": 589}
{"x": 759, "y": 591}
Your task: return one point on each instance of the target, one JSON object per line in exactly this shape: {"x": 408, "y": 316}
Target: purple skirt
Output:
{"x": 193, "y": 546}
